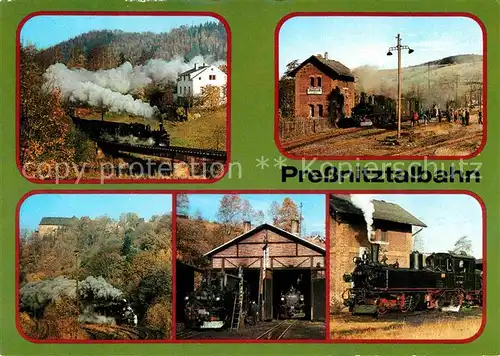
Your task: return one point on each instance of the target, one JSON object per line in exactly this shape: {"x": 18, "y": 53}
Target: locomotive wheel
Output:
{"x": 381, "y": 310}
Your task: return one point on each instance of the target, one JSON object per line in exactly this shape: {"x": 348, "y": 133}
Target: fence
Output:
{"x": 291, "y": 129}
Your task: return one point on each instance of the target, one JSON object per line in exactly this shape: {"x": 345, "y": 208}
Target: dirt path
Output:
{"x": 434, "y": 139}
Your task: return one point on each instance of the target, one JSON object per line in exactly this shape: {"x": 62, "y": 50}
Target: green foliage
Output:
{"x": 287, "y": 97}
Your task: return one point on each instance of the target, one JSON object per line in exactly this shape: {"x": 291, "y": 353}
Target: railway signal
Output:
{"x": 398, "y": 48}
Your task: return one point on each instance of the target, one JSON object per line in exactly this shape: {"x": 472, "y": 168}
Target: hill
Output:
{"x": 431, "y": 81}
{"x": 208, "y": 39}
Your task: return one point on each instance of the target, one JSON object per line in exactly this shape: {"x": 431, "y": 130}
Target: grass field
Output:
{"x": 208, "y": 131}
{"x": 425, "y": 326}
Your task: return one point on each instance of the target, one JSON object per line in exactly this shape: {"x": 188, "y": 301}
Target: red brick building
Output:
{"x": 315, "y": 79}
{"x": 392, "y": 226}
{"x": 272, "y": 260}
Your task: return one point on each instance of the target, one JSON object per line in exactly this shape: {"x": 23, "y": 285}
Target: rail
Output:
{"x": 165, "y": 151}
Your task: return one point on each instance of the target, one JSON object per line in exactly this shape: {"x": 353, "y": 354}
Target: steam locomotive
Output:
{"x": 379, "y": 111}
{"x": 292, "y": 304}
{"x": 133, "y": 133}
{"x": 211, "y": 305}
{"x": 446, "y": 282}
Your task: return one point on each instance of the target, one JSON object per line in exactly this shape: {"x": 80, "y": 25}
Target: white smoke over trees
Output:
{"x": 365, "y": 203}
{"x": 36, "y": 295}
{"x": 113, "y": 88}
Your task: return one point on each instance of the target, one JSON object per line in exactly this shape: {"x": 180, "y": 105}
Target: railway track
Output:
{"x": 279, "y": 331}
{"x": 187, "y": 334}
{"x": 117, "y": 332}
{"x": 169, "y": 152}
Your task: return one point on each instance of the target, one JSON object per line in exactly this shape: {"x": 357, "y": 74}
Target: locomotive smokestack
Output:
{"x": 195, "y": 66}
{"x": 326, "y": 55}
{"x": 247, "y": 226}
{"x": 295, "y": 227}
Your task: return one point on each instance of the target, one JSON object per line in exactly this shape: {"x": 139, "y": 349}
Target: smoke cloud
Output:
{"x": 365, "y": 203}
{"x": 112, "y": 88}
{"x": 36, "y": 295}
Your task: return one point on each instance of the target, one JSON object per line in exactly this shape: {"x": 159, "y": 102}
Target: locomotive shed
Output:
{"x": 273, "y": 260}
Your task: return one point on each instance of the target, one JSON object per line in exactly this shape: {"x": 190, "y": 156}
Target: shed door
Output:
{"x": 268, "y": 295}
{"x": 318, "y": 291}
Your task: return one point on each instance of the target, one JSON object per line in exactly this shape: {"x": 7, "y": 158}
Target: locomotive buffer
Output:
{"x": 238, "y": 303}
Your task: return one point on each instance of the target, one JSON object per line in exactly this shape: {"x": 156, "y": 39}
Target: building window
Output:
{"x": 311, "y": 110}
{"x": 318, "y": 80}
{"x": 320, "y": 110}
{"x": 312, "y": 81}
{"x": 211, "y": 77}
{"x": 384, "y": 236}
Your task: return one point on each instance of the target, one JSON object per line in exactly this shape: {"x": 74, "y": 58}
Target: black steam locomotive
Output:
{"x": 211, "y": 305}
{"x": 133, "y": 133}
{"x": 446, "y": 282}
{"x": 379, "y": 111}
{"x": 292, "y": 304}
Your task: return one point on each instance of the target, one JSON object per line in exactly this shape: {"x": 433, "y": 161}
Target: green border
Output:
{"x": 252, "y": 25}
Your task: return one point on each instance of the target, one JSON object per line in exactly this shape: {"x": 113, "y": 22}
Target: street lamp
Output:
{"x": 398, "y": 48}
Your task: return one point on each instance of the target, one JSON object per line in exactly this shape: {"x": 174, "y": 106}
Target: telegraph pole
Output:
{"x": 398, "y": 48}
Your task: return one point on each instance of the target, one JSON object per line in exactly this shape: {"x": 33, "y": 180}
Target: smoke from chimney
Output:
{"x": 247, "y": 226}
{"x": 364, "y": 202}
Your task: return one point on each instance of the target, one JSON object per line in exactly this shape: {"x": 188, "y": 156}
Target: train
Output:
{"x": 292, "y": 304}
{"x": 378, "y": 111}
{"x": 131, "y": 133}
{"x": 211, "y": 305}
{"x": 445, "y": 282}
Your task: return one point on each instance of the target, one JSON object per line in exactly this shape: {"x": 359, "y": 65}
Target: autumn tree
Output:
{"x": 182, "y": 204}
{"x": 229, "y": 213}
{"x": 210, "y": 97}
{"x": 286, "y": 213}
{"x": 77, "y": 58}
{"x": 463, "y": 245}
{"x": 418, "y": 243}
{"x": 287, "y": 97}
{"x": 335, "y": 106}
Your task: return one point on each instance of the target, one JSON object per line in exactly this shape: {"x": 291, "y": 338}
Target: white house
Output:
{"x": 190, "y": 82}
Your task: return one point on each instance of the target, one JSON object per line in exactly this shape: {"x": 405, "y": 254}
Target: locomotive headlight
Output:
{"x": 282, "y": 299}
{"x": 217, "y": 299}
{"x": 186, "y": 298}
{"x": 301, "y": 297}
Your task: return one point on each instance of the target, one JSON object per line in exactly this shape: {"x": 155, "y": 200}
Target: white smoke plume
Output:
{"x": 130, "y": 139}
{"x": 36, "y": 295}
{"x": 365, "y": 203}
{"x": 111, "y": 88}
{"x": 88, "y": 315}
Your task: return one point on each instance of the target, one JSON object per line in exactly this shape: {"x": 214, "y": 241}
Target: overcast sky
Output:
{"x": 36, "y": 207}
{"x": 357, "y": 41}
{"x": 45, "y": 31}
{"x": 447, "y": 216}
{"x": 313, "y": 207}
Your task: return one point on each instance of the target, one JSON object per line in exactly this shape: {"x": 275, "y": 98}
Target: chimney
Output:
{"x": 295, "y": 227}
{"x": 326, "y": 55}
{"x": 247, "y": 226}
{"x": 195, "y": 66}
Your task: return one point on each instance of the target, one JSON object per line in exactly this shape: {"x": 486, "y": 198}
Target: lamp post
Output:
{"x": 398, "y": 48}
